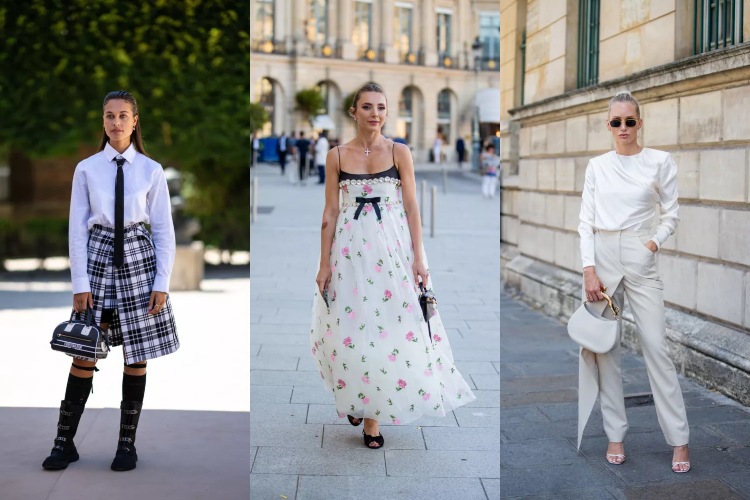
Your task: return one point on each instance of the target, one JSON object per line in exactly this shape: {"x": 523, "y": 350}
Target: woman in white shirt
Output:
{"x": 621, "y": 230}
{"x": 119, "y": 270}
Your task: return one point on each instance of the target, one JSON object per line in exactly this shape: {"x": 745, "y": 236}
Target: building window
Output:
{"x": 405, "y": 114}
{"x": 718, "y": 24}
{"x": 489, "y": 35}
{"x": 444, "y": 37}
{"x": 362, "y": 32}
{"x": 266, "y": 97}
{"x": 403, "y": 18}
{"x": 264, "y": 20}
{"x": 317, "y": 25}
{"x": 588, "y": 42}
{"x": 444, "y": 113}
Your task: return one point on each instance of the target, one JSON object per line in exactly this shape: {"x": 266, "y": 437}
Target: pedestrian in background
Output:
{"x": 321, "y": 151}
{"x": 437, "y": 147}
{"x": 303, "y": 149}
{"x": 368, "y": 335}
{"x": 282, "y": 148}
{"x": 621, "y": 192}
{"x": 119, "y": 270}
{"x": 460, "y": 151}
{"x": 490, "y": 163}
{"x": 254, "y": 149}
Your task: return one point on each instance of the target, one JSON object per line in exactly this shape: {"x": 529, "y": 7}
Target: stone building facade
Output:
{"x": 694, "y": 88}
{"x": 419, "y": 51}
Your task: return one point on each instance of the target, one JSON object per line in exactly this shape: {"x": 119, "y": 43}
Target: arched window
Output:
{"x": 444, "y": 112}
{"x": 405, "y": 115}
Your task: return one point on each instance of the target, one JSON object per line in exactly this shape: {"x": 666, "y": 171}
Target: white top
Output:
{"x": 321, "y": 150}
{"x": 92, "y": 202}
{"x": 623, "y": 192}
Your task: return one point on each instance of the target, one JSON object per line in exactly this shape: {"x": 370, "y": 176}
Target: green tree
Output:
{"x": 258, "y": 117}
{"x": 186, "y": 61}
{"x": 311, "y": 103}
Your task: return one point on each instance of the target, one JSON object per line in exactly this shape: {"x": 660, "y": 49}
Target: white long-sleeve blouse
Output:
{"x": 623, "y": 192}
{"x": 93, "y": 202}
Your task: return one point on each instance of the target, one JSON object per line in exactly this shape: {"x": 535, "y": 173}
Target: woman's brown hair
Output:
{"x": 367, "y": 87}
{"x": 135, "y": 137}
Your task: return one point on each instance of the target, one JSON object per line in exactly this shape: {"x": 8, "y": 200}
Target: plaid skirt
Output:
{"x": 127, "y": 290}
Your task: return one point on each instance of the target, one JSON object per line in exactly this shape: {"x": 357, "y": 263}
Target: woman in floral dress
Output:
{"x": 368, "y": 336}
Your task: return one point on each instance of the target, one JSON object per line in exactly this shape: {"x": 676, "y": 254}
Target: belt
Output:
{"x": 364, "y": 201}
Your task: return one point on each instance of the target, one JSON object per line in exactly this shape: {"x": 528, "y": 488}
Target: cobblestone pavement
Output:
{"x": 299, "y": 447}
{"x": 539, "y": 374}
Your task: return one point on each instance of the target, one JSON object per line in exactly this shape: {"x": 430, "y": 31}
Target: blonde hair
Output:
{"x": 625, "y": 96}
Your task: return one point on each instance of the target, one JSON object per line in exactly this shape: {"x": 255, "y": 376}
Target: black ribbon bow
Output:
{"x": 364, "y": 201}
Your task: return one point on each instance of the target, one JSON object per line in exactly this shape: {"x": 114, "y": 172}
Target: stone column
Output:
{"x": 428, "y": 50}
{"x": 299, "y": 14}
{"x": 345, "y": 22}
{"x": 390, "y": 54}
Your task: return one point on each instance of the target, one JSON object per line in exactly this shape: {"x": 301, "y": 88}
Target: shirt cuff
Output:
{"x": 161, "y": 284}
{"x": 81, "y": 285}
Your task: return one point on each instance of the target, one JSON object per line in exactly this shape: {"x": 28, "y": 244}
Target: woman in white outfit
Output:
{"x": 619, "y": 240}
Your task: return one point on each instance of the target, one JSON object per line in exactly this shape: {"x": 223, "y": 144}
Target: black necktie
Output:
{"x": 119, "y": 215}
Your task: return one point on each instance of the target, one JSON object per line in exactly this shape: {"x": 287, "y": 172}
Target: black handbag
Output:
{"x": 428, "y": 304}
{"x": 81, "y": 337}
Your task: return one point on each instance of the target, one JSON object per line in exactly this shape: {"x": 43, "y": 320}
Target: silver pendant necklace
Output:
{"x": 367, "y": 151}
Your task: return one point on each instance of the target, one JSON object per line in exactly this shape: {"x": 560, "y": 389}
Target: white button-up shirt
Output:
{"x": 92, "y": 202}
{"x": 624, "y": 192}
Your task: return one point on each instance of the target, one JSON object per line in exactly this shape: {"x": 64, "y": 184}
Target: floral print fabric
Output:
{"x": 372, "y": 345}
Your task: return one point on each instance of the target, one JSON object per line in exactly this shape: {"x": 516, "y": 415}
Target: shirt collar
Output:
{"x": 111, "y": 153}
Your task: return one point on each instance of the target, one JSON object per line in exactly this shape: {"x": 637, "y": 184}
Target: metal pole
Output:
{"x": 422, "y": 197}
{"x": 254, "y": 192}
{"x": 433, "y": 202}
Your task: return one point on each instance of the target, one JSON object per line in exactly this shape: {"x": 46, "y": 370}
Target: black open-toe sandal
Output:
{"x": 374, "y": 439}
{"x": 352, "y": 420}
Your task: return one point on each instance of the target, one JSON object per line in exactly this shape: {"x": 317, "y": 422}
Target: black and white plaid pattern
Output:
{"x": 127, "y": 290}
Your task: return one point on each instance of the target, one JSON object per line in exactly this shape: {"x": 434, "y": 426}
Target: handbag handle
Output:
{"x": 89, "y": 318}
{"x": 612, "y": 306}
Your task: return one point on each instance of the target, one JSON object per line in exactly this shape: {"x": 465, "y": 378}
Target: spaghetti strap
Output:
{"x": 393, "y": 153}
{"x": 339, "y": 152}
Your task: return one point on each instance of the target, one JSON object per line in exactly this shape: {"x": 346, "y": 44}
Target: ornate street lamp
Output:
{"x": 476, "y": 50}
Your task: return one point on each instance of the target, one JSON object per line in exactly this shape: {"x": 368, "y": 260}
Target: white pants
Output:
{"x": 489, "y": 184}
{"x": 627, "y": 268}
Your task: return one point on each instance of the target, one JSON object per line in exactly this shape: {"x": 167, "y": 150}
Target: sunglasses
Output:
{"x": 630, "y": 122}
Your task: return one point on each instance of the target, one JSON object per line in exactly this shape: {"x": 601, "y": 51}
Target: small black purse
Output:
{"x": 428, "y": 304}
{"x": 81, "y": 337}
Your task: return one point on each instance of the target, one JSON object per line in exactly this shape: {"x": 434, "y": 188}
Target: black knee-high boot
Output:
{"x": 71, "y": 409}
{"x": 133, "y": 389}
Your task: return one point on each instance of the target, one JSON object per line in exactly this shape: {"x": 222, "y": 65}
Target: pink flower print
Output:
{"x": 428, "y": 373}
{"x": 377, "y": 269}
{"x": 349, "y": 312}
{"x": 368, "y": 207}
{"x": 345, "y": 252}
{"x": 426, "y": 396}
{"x": 392, "y": 357}
{"x": 348, "y": 226}
{"x": 409, "y": 308}
{"x": 410, "y": 336}
{"x": 365, "y": 379}
{"x": 368, "y": 190}
{"x": 368, "y": 245}
{"x": 313, "y": 351}
{"x": 396, "y": 421}
{"x": 440, "y": 367}
{"x": 355, "y": 291}
{"x": 348, "y": 341}
{"x": 387, "y": 296}
{"x": 383, "y": 334}
{"x": 365, "y": 400}
{"x": 398, "y": 242}
{"x": 401, "y": 383}
{"x": 333, "y": 268}
{"x": 437, "y": 338}
{"x": 333, "y": 357}
{"x": 329, "y": 333}
{"x": 351, "y": 315}
{"x": 341, "y": 384}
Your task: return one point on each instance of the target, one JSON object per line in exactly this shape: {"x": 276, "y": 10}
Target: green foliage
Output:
{"x": 311, "y": 103}
{"x": 39, "y": 237}
{"x": 186, "y": 61}
{"x": 258, "y": 117}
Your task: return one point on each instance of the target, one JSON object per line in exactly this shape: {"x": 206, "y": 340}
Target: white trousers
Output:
{"x": 627, "y": 268}
{"x": 489, "y": 184}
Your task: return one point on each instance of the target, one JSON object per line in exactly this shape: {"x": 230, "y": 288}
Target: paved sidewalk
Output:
{"x": 300, "y": 449}
{"x": 539, "y": 373}
{"x": 192, "y": 438}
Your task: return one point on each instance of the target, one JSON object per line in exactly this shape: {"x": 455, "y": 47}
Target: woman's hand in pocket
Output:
{"x": 651, "y": 246}
{"x": 592, "y": 285}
